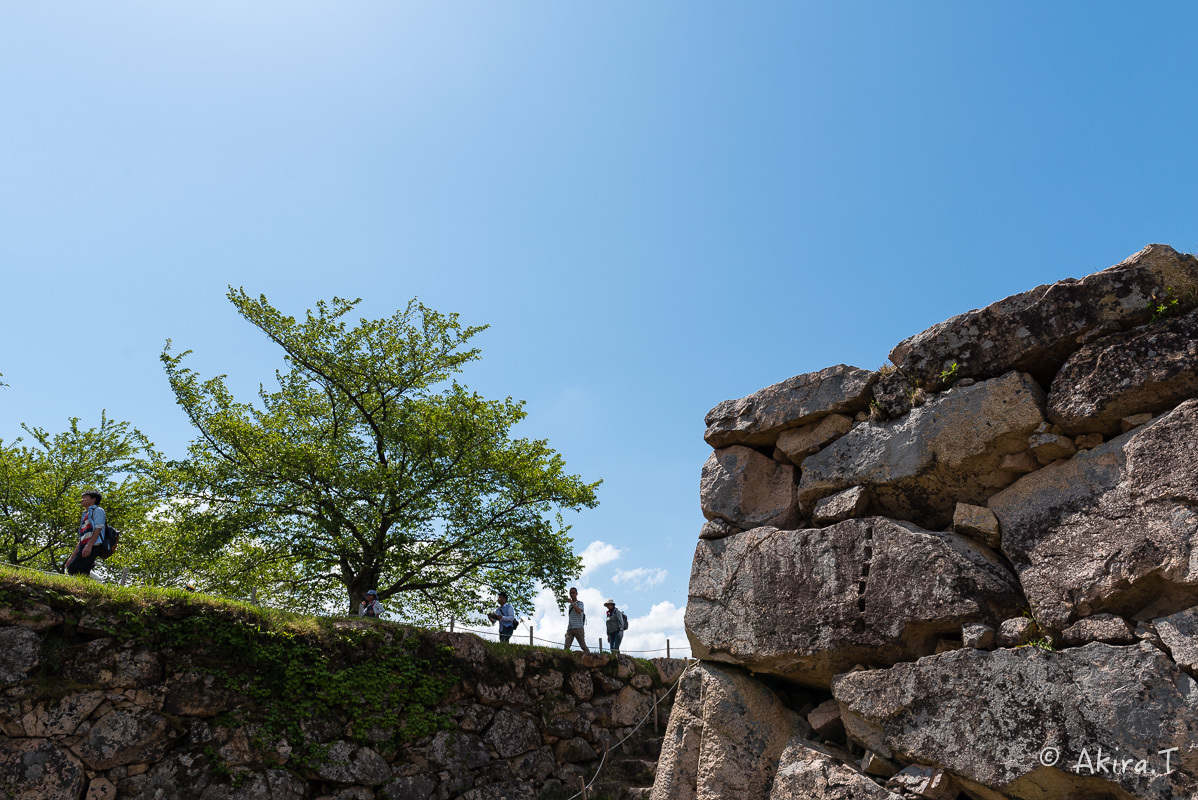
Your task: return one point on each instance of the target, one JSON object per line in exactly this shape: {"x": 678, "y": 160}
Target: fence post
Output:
{"x": 600, "y": 644}
{"x": 451, "y": 624}
{"x": 667, "y": 648}
{"x": 530, "y": 636}
{"x": 583, "y": 783}
{"x": 124, "y": 575}
{"x": 254, "y": 595}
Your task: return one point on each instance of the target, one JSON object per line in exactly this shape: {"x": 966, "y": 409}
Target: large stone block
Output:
{"x": 725, "y": 736}
{"x": 1018, "y": 723}
{"x": 1112, "y": 529}
{"x": 1145, "y": 370}
{"x": 809, "y": 604}
{"x": 126, "y": 736}
{"x": 1036, "y": 331}
{"x": 37, "y": 769}
{"x": 947, "y": 451}
{"x": 807, "y": 771}
{"x": 746, "y": 489}
{"x": 759, "y": 418}
{"x": 1179, "y": 633}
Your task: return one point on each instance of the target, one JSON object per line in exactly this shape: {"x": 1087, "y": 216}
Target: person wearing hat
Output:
{"x": 371, "y": 607}
{"x": 505, "y": 615}
{"x": 616, "y": 623}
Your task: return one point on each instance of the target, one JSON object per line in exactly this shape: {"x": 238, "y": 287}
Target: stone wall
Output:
{"x": 105, "y": 696}
{"x": 973, "y": 572}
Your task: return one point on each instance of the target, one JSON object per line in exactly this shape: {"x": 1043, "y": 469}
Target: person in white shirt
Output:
{"x": 371, "y": 607}
{"x": 575, "y": 627}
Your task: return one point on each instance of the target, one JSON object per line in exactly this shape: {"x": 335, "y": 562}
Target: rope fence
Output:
{"x": 652, "y": 710}
{"x": 531, "y": 639}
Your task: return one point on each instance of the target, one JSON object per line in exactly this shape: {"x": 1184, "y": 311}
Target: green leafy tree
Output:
{"x": 373, "y": 469}
{"x": 42, "y": 478}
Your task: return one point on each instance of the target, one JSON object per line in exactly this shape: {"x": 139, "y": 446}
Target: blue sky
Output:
{"x": 655, "y": 206}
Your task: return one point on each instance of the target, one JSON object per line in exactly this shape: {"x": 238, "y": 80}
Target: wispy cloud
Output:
{"x": 640, "y": 578}
{"x": 596, "y": 555}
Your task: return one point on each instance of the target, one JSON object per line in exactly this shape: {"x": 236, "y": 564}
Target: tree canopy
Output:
{"x": 371, "y": 467}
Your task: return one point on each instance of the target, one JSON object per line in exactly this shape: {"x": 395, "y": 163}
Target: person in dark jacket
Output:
{"x": 91, "y": 533}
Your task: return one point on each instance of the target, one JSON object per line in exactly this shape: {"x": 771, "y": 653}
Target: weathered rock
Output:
{"x": 807, "y": 771}
{"x": 892, "y": 396}
{"x": 413, "y": 787}
{"x": 630, "y": 707}
{"x": 36, "y": 769}
{"x": 925, "y": 782}
{"x": 511, "y": 734}
{"x": 19, "y": 653}
{"x": 976, "y": 522}
{"x": 582, "y": 685}
{"x": 746, "y": 489}
{"x": 1016, "y": 631}
{"x": 670, "y": 669}
{"x": 125, "y": 736}
{"x": 1088, "y": 441}
{"x": 841, "y": 506}
{"x": 1179, "y": 633}
{"x": 824, "y": 719}
{"x": 1112, "y": 529}
{"x": 193, "y": 694}
{"x": 724, "y": 737}
{"x": 34, "y": 616}
{"x": 575, "y": 750}
{"x": 511, "y": 790}
{"x": 1148, "y": 369}
{"x": 990, "y": 717}
{"x": 874, "y": 764}
{"x": 61, "y": 717}
{"x": 100, "y": 789}
{"x": 1099, "y": 628}
{"x": 920, "y": 466}
{"x": 798, "y": 443}
{"x": 454, "y": 751}
{"x": 1134, "y": 421}
{"x": 1018, "y": 463}
{"x": 717, "y": 529}
{"x": 1048, "y": 447}
{"x": 978, "y": 636}
{"x": 349, "y": 763}
{"x": 759, "y": 418}
{"x": 809, "y": 604}
{"x": 1037, "y": 330}
{"x": 102, "y": 663}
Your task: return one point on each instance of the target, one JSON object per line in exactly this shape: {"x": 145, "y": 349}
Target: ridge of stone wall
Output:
{"x": 108, "y": 700}
{"x": 935, "y": 578}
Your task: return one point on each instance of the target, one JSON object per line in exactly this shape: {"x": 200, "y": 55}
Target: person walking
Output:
{"x": 615, "y": 625}
{"x": 91, "y": 533}
{"x": 505, "y": 615}
{"x": 371, "y": 607}
{"x": 576, "y": 624}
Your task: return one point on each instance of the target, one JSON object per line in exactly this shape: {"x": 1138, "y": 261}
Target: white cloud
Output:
{"x": 596, "y": 555}
{"x": 641, "y": 578}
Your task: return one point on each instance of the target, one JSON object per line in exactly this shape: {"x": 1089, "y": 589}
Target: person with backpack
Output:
{"x": 370, "y": 606}
{"x": 617, "y": 623}
{"x": 91, "y": 534}
{"x": 505, "y": 615}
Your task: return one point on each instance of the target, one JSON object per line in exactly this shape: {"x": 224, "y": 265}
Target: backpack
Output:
{"x": 108, "y": 542}
{"x": 625, "y": 618}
